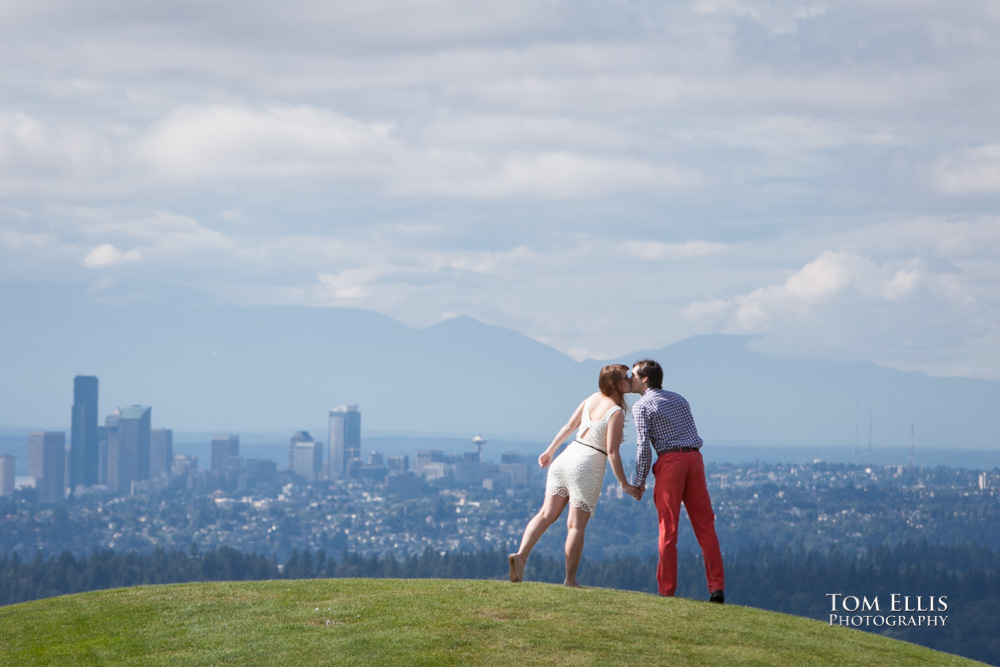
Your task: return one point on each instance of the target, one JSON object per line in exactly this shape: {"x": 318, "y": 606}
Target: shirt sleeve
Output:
{"x": 643, "y": 453}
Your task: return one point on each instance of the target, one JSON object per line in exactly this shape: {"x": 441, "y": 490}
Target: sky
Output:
{"x": 604, "y": 177}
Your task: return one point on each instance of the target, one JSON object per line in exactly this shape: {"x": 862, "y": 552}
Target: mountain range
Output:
{"x": 205, "y": 366}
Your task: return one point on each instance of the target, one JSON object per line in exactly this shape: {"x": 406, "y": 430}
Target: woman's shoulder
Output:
{"x": 602, "y": 405}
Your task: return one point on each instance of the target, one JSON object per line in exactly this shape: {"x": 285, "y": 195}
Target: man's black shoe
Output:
{"x": 718, "y": 596}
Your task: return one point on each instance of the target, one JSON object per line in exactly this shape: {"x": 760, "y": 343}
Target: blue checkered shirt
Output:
{"x": 663, "y": 421}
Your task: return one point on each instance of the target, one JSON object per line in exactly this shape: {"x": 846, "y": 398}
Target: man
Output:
{"x": 663, "y": 421}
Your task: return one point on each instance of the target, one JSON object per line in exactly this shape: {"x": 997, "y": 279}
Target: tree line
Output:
{"x": 788, "y": 580}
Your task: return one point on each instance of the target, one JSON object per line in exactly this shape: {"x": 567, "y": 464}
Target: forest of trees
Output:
{"x": 789, "y": 580}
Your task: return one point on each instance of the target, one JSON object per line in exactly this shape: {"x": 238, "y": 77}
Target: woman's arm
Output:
{"x": 616, "y": 426}
{"x": 574, "y": 423}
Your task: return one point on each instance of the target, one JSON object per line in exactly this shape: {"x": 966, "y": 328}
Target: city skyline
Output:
{"x": 127, "y": 451}
{"x": 146, "y": 453}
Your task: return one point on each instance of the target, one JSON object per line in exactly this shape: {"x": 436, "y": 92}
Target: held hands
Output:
{"x": 634, "y": 491}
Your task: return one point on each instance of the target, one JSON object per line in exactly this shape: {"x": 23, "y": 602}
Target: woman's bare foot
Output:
{"x": 572, "y": 584}
{"x": 516, "y": 568}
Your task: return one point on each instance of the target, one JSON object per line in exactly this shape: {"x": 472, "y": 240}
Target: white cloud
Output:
{"x": 106, "y": 255}
{"x": 779, "y": 17}
{"x": 199, "y": 142}
{"x": 156, "y": 234}
{"x": 549, "y": 175}
{"x": 824, "y": 280}
{"x": 529, "y": 132}
{"x": 20, "y": 241}
{"x": 653, "y": 251}
{"x": 712, "y": 311}
{"x": 499, "y": 263}
{"x": 39, "y": 155}
{"x": 844, "y": 305}
{"x": 899, "y": 285}
{"x": 346, "y": 285}
{"x": 970, "y": 171}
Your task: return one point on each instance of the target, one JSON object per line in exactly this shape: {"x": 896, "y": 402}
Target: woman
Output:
{"x": 577, "y": 475}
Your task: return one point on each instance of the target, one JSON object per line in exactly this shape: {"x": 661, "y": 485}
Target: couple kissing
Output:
{"x": 664, "y": 426}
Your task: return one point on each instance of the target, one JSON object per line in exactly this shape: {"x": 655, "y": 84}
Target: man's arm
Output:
{"x": 643, "y": 451}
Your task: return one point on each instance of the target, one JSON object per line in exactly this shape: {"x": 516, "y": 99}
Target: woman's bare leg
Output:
{"x": 576, "y": 525}
{"x": 551, "y": 509}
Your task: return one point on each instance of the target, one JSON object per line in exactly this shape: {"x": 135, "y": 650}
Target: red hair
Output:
{"x": 609, "y": 382}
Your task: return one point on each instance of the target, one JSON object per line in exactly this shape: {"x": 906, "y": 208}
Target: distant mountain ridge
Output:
{"x": 209, "y": 367}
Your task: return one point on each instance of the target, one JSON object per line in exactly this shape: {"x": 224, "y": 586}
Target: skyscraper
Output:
{"x": 107, "y": 438}
{"x": 47, "y": 464}
{"x": 7, "y": 465}
{"x": 84, "y": 452}
{"x": 345, "y": 439}
{"x": 128, "y": 454}
{"x": 161, "y": 452}
{"x": 306, "y": 456}
{"x": 225, "y": 453}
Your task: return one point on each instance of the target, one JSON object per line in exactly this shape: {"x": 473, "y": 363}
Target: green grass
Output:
{"x": 423, "y": 622}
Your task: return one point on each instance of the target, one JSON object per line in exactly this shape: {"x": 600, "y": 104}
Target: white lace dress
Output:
{"x": 578, "y": 472}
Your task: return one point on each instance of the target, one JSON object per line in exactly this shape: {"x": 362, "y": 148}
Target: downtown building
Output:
{"x": 128, "y": 447}
{"x": 225, "y": 453}
{"x": 7, "y": 478}
{"x": 106, "y": 436}
{"x": 161, "y": 452}
{"x": 47, "y": 464}
{"x": 305, "y": 456}
{"x": 84, "y": 446}
{"x": 227, "y": 466}
{"x": 345, "y": 441}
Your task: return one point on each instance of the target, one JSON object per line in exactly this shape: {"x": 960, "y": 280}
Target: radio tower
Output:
{"x": 911, "y": 445}
{"x": 857, "y": 429}
{"x": 869, "y": 437}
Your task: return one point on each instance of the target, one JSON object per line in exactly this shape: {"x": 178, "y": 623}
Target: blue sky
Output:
{"x": 604, "y": 177}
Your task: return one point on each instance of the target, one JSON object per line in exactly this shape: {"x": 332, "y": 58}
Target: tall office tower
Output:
{"x": 225, "y": 453}
{"x": 161, "y": 452}
{"x": 299, "y": 436}
{"x": 128, "y": 453}
{"x": 106, "y": 435}
{"x": 83, "y": 447}
{"x": 345, "y": 439}
{"x": 7, "y": 464}
{"x": 47, "y": 464}
{"x": 306, "y": 456}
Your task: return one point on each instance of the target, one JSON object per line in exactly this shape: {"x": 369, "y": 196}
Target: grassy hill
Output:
{"x": 423, "y": 622}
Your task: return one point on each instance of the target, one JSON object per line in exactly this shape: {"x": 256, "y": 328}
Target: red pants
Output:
{"x": 680, "y": 477}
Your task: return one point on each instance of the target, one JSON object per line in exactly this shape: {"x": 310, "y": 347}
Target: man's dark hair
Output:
{"x": 650, "y": 371}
